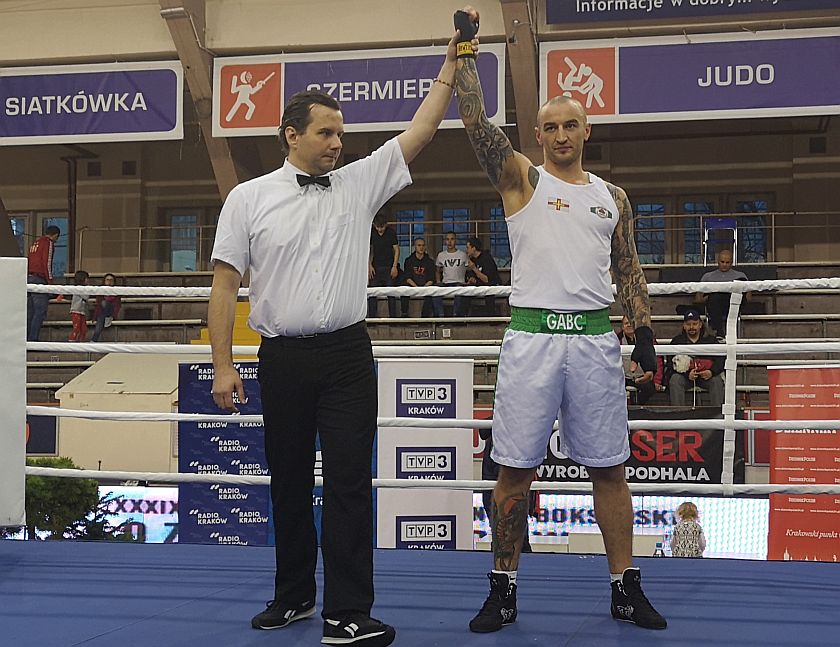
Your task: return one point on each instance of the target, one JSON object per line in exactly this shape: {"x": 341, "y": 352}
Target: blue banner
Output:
{"x": 91, "y": 103}
{"x": 559, "y": 12}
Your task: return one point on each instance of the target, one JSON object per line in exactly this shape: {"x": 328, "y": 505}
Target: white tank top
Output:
{"x": 560, "y": 243}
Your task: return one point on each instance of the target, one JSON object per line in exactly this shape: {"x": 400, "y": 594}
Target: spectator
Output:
{"x": 687, "y": 538}
{"x": 79, "y": 309}
{"x": 481, "y": 271}
{"x": 107, "y": 308}
{"x": 419, "y": 270}
{"x": 40, "y": 272}
{"x": 717, "y": 303}
{"x": 685, "y": 372}
{"x": 384, "y": 266}
{"x": 451, "y": 270}
{"x": 645, "y": 383}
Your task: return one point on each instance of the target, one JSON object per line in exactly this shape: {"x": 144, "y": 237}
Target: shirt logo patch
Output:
{"x": 601, "y": 212}
{"x": 558, "y": 204}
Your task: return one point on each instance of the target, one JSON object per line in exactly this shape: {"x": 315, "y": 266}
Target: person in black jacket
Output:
{"x": 684, "y": 372}
{"x": 481, "y": 271}
{"x": 419, "y": 271}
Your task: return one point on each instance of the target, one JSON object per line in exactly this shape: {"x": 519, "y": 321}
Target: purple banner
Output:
{"x": 384, "y": 90}
{"x": 109, "y": 104}
{"x": 749, "y": 74}
{"x": 597, "y": 11}
{"x": 428, "y": 532}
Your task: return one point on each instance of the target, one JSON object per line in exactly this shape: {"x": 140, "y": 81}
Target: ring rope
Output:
{"x": 689, "y": 489}
{"x": 477, "y": 291}
{"x": 428, "y": 423}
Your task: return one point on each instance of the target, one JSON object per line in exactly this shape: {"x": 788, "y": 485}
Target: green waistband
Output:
{"x": 591, "y": 322}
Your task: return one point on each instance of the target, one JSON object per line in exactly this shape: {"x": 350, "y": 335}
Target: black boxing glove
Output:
{"x": 468, "y": 29}
{"x": 643, "y": 353}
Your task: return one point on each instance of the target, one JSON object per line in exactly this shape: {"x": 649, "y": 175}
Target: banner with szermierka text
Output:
{"x": 376, "y": 89}
{"x": 76, "y": 104}
{"x": 783, "y": 73}
{"x": 559, "y": 12}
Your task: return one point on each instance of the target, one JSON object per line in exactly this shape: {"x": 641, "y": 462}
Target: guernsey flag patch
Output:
{"x": 558, "y": 204}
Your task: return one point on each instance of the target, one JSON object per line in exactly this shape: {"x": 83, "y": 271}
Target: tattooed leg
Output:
{"x": 509, "y": 516}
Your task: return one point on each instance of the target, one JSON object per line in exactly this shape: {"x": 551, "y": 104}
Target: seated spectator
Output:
{"x": 481, "y": 271}
{"x": 685, "y": 372}
{"x": 645, "y": 384}
{"x": 717, "y": 303}
{"x": 384, "y": 262}
{"x": 79, "y": 309}
{"x": 687, "y": 538}
{"x": 451, "y": 264}
{"x": 419, "y": 271}
{"x": 107, "y": 308}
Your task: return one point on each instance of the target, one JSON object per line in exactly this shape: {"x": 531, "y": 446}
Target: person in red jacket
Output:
{"x": 41, "y": 272}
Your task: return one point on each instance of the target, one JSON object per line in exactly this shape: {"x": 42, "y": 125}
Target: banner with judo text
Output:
{"x": 561, "y": 12}
{"x": 377, "y": 89}
{"x": 804, "y": 527}
{"x": 670, "y": 78}
{"x": 656, "y": 455}
{"x": 75, "y": 104}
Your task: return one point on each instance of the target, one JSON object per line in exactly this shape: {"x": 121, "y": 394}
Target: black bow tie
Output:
{"x": 321, "y": 180}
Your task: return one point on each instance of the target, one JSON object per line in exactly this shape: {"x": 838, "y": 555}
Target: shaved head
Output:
{"x": 564, "y": 101}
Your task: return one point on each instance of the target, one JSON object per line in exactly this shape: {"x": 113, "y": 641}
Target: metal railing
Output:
{"x": 661, "y": 239}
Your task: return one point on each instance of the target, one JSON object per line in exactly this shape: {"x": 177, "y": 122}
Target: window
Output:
{"x": 692, "y": 233}
{"x": 409, "y": 225}
{"x": 499, "y": 241}
{"x": 752, "y": 231}
{"x": 19, "y": 232}
{"x": 457, "y": 219}
{"x": 650, "y": 232}
{"x": 184, "y": 246}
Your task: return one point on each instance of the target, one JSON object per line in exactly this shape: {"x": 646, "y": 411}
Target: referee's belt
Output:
{"x": 537, "y": 320}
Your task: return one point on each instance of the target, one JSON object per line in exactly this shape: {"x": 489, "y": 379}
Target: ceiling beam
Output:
{"x": 522, "y": 57}
{"x": 232, "y": 162}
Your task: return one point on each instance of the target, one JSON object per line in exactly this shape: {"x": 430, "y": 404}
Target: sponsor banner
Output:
{"x": 41, "y": 436}
{"x": 766, "y": 74}
{"x": 113, "y": 102}
{"x": 430, "y": 532}
{"x": 560, "y": 12}
{"x": 377, "y": 89}
{"x": 734, "y": 527}
{"x": 149, "y": 514}
{"x": 432, "y": 463}
{"x": 804, "y": 527}
{"x": 426, "y": 398}
{"x": 656, "y": 456}
{"x": 216, "y": 513}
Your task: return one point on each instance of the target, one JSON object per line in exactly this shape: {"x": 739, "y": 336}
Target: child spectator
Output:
{"x": 688, "y": 539}
{"x": 107, "y": 308}
{"x": 79, "y": 309}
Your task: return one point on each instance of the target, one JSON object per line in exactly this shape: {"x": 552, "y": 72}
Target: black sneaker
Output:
{"x": 630, "y": 604}
{"x": 499, "y": 609}
{"x": 359, "y": 628}
{"x": 277, "y": 614}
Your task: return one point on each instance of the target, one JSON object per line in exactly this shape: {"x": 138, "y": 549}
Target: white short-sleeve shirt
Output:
{"x": 307, "y": 247}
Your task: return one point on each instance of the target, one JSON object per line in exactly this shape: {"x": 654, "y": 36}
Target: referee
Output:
{"x": 303, "y": 231}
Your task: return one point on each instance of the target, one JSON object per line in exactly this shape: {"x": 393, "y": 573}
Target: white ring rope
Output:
{"x": 476, "y": 291}
{"x": 688, "y": 489}
{"x": 427, "y": 423}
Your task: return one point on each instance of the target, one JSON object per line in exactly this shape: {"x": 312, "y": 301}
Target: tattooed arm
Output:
{"x": 509, "y": 171}
{"x": 627, "y": 271}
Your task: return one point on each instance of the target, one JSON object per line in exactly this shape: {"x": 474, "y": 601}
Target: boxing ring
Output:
{"x": 98, "y": 593}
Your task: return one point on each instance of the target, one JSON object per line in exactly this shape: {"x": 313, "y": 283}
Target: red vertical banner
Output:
{"x": 805, "y": 527}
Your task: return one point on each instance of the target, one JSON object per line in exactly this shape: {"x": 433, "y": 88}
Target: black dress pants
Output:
{"x": 323, "y": 384}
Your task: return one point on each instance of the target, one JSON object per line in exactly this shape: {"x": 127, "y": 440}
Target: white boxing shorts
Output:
{"x": 564, "y": 367}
